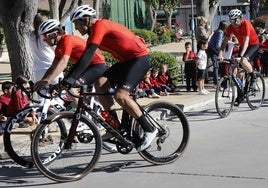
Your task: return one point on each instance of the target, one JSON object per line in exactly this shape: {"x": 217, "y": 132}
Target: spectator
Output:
{"x": 201, "y": 31}
{"x": 214, "y": 45}
{"x": 190, "y": 68}
{"x": 43, "y": 56}
{"x": 154, "y": 81}
{"x": 19, "y": 98}
{"x": 146, "y": 87}
{"x": 164, "y": 80}
{"x": 201, "y": 62}
{"x": 4, "y": 101}
{"x": 264, "y": 57}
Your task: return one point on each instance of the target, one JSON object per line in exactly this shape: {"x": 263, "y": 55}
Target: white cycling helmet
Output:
{"x": 49, "y": 26}
{"x": 84, "y": 10}
{"x": 235, "y": 13}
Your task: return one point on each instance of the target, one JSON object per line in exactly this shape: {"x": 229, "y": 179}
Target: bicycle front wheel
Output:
{"x": 173, "y": 135}
{"x": 18, "y": 135}
{"x": 59, "y": 163}
{"x": 225, "y": 96}
{"x": 255, "y": 96}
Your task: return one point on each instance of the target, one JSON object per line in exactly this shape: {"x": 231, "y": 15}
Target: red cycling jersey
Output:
{"x": 117, "y": 40}
{"x": 246, "y": 29}
{"x": 74, "y": 47}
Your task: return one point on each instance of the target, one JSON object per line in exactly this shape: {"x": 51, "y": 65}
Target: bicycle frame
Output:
{"x": 82, "y": 105}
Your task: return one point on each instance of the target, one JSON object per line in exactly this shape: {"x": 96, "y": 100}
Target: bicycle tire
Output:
{"x": 255, "y": 98}
{"x": 17, "y": 141}
{"x": 225, "y": 96}
{"x": 167, "y": 147}
{"x": 66, "y": 165}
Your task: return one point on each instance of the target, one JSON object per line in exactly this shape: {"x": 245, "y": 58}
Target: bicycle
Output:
{"x": 226, "y": 93}
{"x": 66, "y": 160}
{"x": 17, "y": 140}
{"x": 20, "y": 152}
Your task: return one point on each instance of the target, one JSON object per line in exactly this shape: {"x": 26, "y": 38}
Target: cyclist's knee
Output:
{"x": 121, "y": 96}
{"x": 246, "y": 64}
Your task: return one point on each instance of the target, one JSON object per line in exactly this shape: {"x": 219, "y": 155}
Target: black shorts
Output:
{"x": 251, "y": 52}
{"x": 201, "y": 73}
{"x": 127, "y": 75}
{"x": 92, "y": 73}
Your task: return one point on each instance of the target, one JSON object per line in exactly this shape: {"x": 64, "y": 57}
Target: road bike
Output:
{"x": 66, "y": 159}
{"x": 17, "y": 140}
{"x": 231, "y": 87}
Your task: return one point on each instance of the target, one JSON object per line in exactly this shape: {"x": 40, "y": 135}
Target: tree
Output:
{"x": 168, "y": 6}
{"x": 17, "y": 18}
{"x": 210, "y": 12}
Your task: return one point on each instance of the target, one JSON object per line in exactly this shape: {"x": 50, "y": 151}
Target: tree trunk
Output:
{"x": 150, "y": 17}
{"x": 54, "y": 11}
{"x": 17, "y": 17}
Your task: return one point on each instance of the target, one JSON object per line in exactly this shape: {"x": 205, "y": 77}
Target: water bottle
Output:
{"x": 240, "y": 83}
{"x": 110, "y": 119}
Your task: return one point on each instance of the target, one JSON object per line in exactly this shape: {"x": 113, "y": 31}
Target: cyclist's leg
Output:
{"x": 249, "y": 55}
{"x": 126, "y": 77}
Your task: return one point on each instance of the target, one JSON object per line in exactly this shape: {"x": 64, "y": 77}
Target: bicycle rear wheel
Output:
{"x": 17, "y": 136}
{"x": 225, "y": 96}
{"x": 66, "y": 164}
{"x": 255, "y": 97}
{"x": 173, "y": 135}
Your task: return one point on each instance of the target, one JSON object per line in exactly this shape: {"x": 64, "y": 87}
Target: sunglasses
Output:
{"x": 48, "y": 35}
{"x": 233, "y": 21}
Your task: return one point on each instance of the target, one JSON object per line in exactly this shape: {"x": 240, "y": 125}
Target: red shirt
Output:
{"x": 144, "y": 85}
{"x": 246, "y": 29}
{"x": 4, "y": 101}
{"x": 117, "y": 40}
{"x": 19, "y": 100}
{"x": 154, "y": 82}
{"x": 191, "y": 56}
{"x": 74, "y": 47}
{"x": 164, "y": 80}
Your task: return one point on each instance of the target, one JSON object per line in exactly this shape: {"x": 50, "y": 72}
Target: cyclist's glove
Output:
{"x": 68, "y": 81}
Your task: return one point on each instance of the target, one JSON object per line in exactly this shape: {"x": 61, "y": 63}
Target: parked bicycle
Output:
{"x": 66, "y": 159}
{"x": 226, "y": 89}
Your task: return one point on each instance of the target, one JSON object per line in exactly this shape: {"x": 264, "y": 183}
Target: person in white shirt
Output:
{"x": 43, "y": 55}
{"x": 201, "y": 63}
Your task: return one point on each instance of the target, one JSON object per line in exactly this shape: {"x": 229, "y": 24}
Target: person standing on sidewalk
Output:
{"x": 214, "y": 45}
{"x": 189, "y": 58}
{"x": 201, "y": 62}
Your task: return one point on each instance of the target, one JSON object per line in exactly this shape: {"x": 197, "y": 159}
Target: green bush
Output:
{"x": 149, "y": 36}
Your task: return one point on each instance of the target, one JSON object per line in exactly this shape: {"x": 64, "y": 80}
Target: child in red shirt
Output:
{"x": 19, "y": 98}
{"x": 164, "y": 79}
{"x": 4, "y": 101}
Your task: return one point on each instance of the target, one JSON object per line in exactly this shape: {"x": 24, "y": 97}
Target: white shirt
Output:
{"x": 227, "y": 54}
{"x": 202, "y": 59}
{"x": 43, "y": 56}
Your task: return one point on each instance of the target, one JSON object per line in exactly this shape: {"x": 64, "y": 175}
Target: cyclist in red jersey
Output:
{"x": 131, "y": 52}
{"x": 70, "y": 48}
{"x": 248, "y": 41}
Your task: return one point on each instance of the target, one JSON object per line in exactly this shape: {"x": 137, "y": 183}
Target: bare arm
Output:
{"x": 54, "y": 70}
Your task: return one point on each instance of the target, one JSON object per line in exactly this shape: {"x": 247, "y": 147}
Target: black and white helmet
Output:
{"x": 49, "y": 26}
{"x": 235, "y": 13}
{"x": 84, "y": 10}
